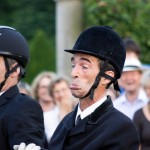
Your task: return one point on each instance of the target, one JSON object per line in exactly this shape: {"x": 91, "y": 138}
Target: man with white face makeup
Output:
{"x": 97, "y": 61}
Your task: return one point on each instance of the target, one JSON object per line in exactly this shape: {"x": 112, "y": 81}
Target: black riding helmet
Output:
{"x": 13, "y": 45}
{"x": 106, "y": 44}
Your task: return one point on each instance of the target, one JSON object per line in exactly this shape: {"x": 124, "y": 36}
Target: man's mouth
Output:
{"x": 129, "y": 84}
{"x": 74, "y": 86}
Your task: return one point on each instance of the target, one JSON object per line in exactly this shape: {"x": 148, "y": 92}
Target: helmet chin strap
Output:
{"x": 8, "y": 72}
{"x": 94, "y": 86}
{"x": 98, "y": 79}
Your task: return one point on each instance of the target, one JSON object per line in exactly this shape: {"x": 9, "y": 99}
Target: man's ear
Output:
{"x": 16, "y": 72}
{"x": 106, "y": 81}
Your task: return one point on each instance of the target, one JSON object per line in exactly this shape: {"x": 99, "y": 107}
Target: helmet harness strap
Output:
{"x": 98, "y": 79}
{"x": 8, "y": 72}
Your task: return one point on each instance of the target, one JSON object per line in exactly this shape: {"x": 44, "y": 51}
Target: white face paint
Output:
{"x": 84, "y": 71}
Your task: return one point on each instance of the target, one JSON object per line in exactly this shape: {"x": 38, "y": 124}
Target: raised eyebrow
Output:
{"x": 85, "y": 59}
{"x": 82, "y": 59}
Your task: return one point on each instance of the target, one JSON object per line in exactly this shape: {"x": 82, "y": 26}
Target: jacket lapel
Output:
{"x": 93, "y": 118}
{"x": 64, "y": 128}
{"x": 99, "y": 112}
{"x": 79, "y": 128}
{"x": 70, "y": 121}
{"x": 67, "y": 128}
{"x": 7, "y": 95}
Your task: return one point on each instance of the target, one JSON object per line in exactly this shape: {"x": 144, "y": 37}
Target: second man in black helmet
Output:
{"x": 97, "y": 61}
{"x": 21, "y": 118}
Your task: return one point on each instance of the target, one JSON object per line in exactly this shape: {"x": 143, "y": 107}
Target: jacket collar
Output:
{"x": 92, "y": 119}
{"x": 8, "y": 95}
{"x": 70, "y": 121}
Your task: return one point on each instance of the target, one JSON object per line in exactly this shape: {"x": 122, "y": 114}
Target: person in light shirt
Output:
{"x": 40, "y": 87}
{"x": 134, "y": 96}
{"x": 142, "y": 116}
{"x": 97, "y": 62}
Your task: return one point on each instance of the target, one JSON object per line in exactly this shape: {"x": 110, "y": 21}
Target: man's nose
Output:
{"x": 75, "y": 72}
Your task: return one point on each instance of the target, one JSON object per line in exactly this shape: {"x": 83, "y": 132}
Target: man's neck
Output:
{"x": 132, "y": 96}
{"x": 8, "y": 85}
{"x": 46, "y": 106}
{"x": 86, "y": 102}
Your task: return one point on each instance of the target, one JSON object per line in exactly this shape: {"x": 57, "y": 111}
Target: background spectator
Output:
{"x": 132, "y": 51}
{"x": 142, "y": 116}
{"x": 24, "y": 88}
{"x": 134, "y": 96}
{"x": 41, "y": 93}
{"x": 132, "y": 48}
{"x": 60, "y": 91}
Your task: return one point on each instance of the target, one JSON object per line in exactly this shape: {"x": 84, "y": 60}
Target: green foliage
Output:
{"x": 131, "y": 18}
{"x": 36, "y": 21}
{"x": 27, "y": 16}
{"x": 42, "y": 55}
{"x": 5, "y": 12}
{"x": 32, "y": 15}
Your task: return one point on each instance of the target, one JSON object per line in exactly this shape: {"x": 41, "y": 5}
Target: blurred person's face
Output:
{"x": 131, "y": 80}
{"x": 61, "y": 91}
{"x": 84, "y": 71}
{"x": 120, "y": 83}
{"x": 43, "y": 91}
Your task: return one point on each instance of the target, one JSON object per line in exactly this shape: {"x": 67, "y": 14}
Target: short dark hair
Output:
{"x": 132, "y": 46}
{"x": 11, "y": 62}
{"x": 108, "y": 67}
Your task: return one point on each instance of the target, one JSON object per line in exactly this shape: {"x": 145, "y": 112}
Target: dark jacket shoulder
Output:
{"x": 21, "y": 119}
{"x": 105, "y": 128}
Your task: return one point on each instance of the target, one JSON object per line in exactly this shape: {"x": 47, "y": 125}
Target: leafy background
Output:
{"x": 131, "y": 18}
{"x": 36, "y": 21}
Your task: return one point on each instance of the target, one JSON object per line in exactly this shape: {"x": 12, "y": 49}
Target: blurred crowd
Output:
{"x": 53, "y": 94}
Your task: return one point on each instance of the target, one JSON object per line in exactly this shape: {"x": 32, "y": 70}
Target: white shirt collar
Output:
{"x": 89, "y": 109}
{"x": 1, "y": 93}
